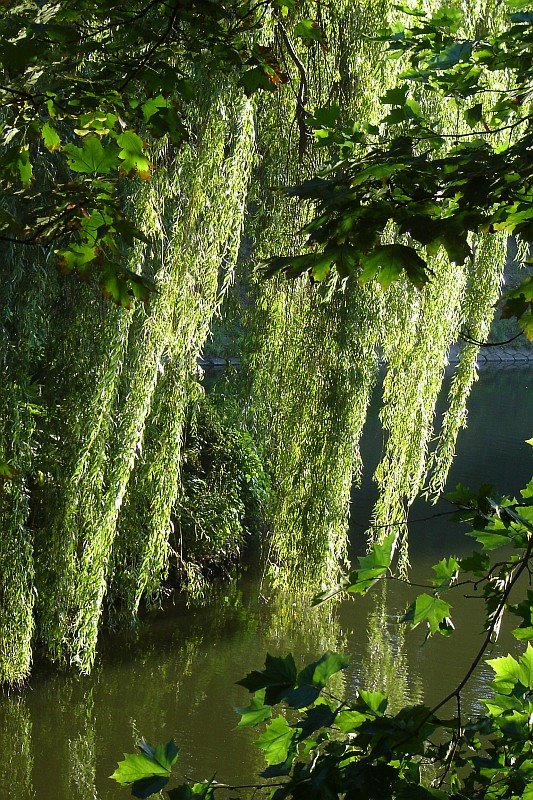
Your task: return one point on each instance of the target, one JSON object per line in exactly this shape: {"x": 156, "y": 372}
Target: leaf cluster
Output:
{"x": 87, "y": 91}
{"x": 408, "y": 174}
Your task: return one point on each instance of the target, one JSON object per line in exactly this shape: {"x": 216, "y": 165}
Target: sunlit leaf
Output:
{"x": 92, "y": 158}
{"x": 375, "y": 701}
{"x": 431, "y": 610}
{"x": 50, "y": 137}
{"x": 277, "y": 740}
{"x": 256, "y": 712}
{"x": 132, "y": 154}
{"x": 507, "y": 673}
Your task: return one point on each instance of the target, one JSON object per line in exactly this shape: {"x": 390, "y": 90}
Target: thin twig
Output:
{"x": 492, "y": 627}
{"x": 469, "y": 340}
{"x": 405, "y": 521}
{"x": 151, "y": 51}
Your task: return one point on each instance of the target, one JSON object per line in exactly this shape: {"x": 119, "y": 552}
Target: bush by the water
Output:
{"x": 223, "y": 493}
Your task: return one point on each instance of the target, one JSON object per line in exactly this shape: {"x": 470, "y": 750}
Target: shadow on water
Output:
{"x": 175, "y": 676}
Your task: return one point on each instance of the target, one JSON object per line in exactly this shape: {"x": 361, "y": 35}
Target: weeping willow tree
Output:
{"x": 95, "y": 397}
{"x": 416, "y": 341}
{"x": 23, "y": 325}
{"x": 312, "y": 364}
{"x": 481, "y": 293}
{"x": 205, "y": 243}
{"x": 117, "y": 490}
{"x": 421, "y": 329}
{"x": 100, "y": 442}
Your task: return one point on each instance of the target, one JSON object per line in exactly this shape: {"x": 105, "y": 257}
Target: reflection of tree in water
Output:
{"x": 385, "y": 667}
{"x": 63, "y": 746}
{"x": 290, "y": 617}
{"x": 81, "y": 766}
{"x": 15, "y": 745}
{"x": 293, "y": 625}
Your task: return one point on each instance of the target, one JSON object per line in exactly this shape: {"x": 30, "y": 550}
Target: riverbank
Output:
{"x": 486, "y": 355}
{"x": 498, "y": 355}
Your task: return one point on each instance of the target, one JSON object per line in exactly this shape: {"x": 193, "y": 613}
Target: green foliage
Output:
{"x": 370, "y": 569}
{"x": 102, "y": 87}
{"x": 144, "y": 184}
{"x": 115, "y": 385}
{"x": 281, "y": 680}
{"x": 224, "y": 488}
{"x": 401, "y": 171}
{"x": 519, "y": 304}
{"x": 386, "y": 262}
{"x": 309, "y": 365}
{"x": 148, "y": 772}
{"x": 344, "y": 748}
{"x": 433, "y": 611}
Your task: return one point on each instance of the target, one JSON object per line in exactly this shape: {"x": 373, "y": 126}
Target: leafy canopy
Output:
{"x": 410, "y": 176}
{"x": 88, "y": 90}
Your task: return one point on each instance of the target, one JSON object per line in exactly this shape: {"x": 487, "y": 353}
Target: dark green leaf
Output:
{"x": 278, "y": 678}
{"x": 478, "y": 563}
{"x": 473, "y": 115}
{"x": 321, "y": 716}
{"x": 146, "y": 787}
{"x": 310, "y": 31}
{"x": 319, "y": 672}
{"x": 451, "y": 56}
{"x": 387, "y": 262}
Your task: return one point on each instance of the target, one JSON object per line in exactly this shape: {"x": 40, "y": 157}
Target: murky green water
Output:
{"x": 62, "y": 736}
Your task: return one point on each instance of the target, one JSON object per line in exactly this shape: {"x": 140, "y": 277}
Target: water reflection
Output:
{"x": 385, "y": 667}
{"x": 16, "y": 746}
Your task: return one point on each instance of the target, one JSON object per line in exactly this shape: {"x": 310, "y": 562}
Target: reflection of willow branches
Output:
{"x": 15, "y": 743}
{"x": 64, "y": 737}
{"x": 82, "y": 752}
{"x": 292, "y": 624}
{"x": 385, "y": 667}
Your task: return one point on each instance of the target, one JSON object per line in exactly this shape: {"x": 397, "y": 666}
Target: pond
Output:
{"x": 175, "y": 677}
